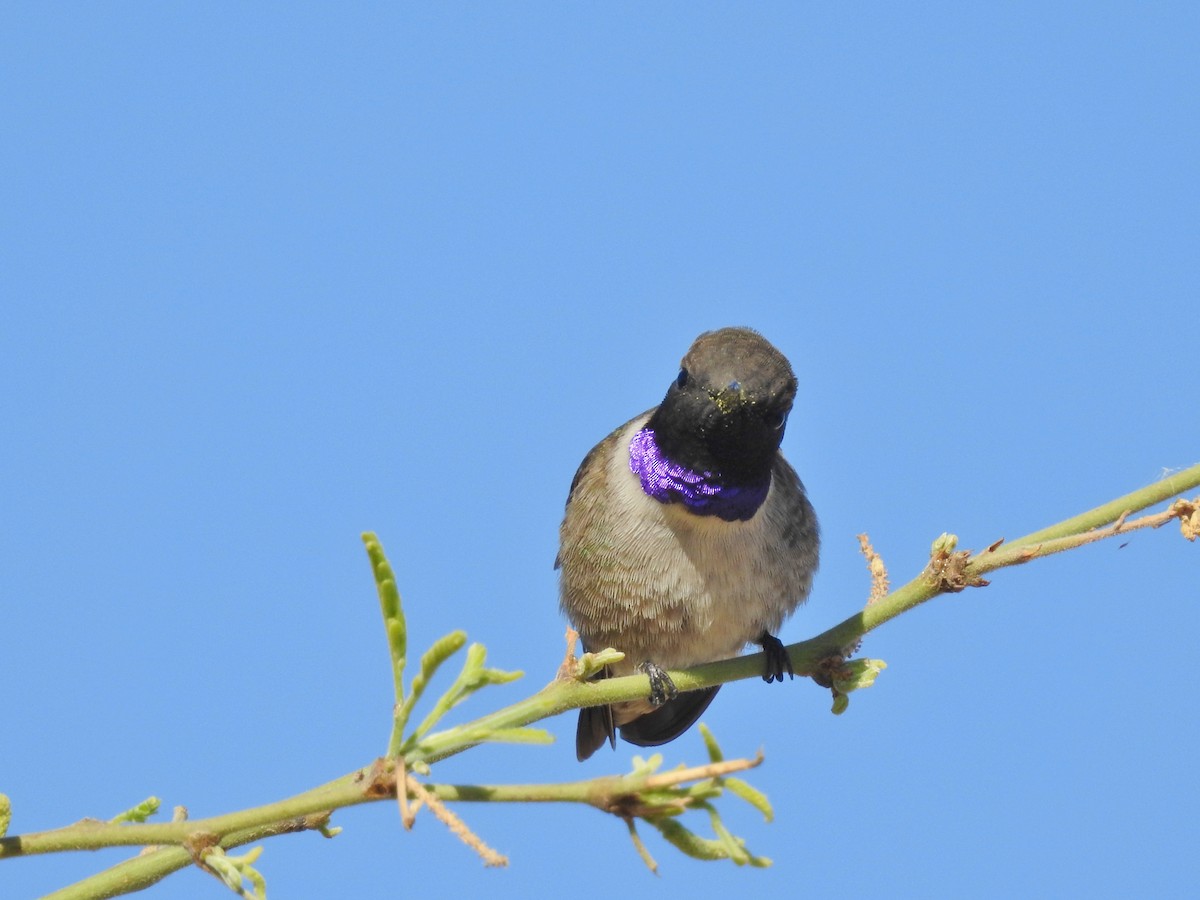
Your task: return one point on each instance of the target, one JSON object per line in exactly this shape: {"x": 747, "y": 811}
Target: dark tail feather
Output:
{"x": 594, "y": 728}
{"x": 667, "y": 722}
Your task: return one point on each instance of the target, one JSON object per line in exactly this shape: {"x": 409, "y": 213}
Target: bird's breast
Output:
{"x": 661, "y": 583}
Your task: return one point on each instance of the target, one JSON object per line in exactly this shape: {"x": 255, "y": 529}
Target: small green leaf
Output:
{"x": 701, "y": 790}
{"x": 945, "y": 543}
{"x": 393, "y": 613}
{"x": 476, "y": 657}
{"x": 691, "y": 844}
{"x": 431, "y": 660}
{"x": 751, "y": 795}
{"x": 641, "y": 847}
{"x": 840, "y": 703}
{"x": 443, "y": 648}
{"x": 710, "y": 744}
{"x": 233, "y": 870}
{"x": 500, "y": 676}
{"x": 395, "y": 632}
{"x": 225, "y": 868}
{"x": 499, "y": 736}
{"x": 646, "y": 766}
{"x": 858, "y": 673}
{"x": 687, "y": 841}
{"x": 735, "y": 848}
{"x": 385, "y": 578}
{"x": 139, "y": 813}
{"x": 257, "y": 881}
{"x": 472, "y": 677}
{"x": 592, "y": 663}
{"x": 5, "y": 814}
{"x": 517, "y": 736}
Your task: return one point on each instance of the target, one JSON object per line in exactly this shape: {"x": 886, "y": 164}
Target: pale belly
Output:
{"x": 662, "y": 584}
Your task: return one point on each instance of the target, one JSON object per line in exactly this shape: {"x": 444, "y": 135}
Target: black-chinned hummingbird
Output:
{"x": 687, "y": 535}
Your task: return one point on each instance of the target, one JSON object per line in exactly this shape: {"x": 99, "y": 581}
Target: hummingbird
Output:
{"x": 687, "y": 536}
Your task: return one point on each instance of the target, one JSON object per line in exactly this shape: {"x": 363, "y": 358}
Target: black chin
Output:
{"x": 743, "y": 447}
{"x": 736, "y": 445}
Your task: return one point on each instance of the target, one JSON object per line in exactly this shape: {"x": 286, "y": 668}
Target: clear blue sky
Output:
{"x": 276, "y": 274}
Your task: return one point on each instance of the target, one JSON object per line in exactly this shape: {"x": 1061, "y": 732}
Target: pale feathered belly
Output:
{"x": 662, "y": 584}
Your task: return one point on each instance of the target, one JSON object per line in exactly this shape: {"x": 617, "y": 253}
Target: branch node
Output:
{"x": 380, "y": 778}
{"x": 199, "y": 843}
{"x": 826, "y": 670}
{"x": 947, "y": 568}
{"x": 1188, "y": 513}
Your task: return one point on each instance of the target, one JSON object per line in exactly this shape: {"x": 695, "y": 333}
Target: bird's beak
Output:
{"x": 729, "y": 398}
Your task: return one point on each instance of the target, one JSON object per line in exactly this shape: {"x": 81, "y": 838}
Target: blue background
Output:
{"x": 276, "y": 274}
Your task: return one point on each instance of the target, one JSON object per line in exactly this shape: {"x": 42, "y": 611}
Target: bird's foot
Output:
{"x": 778, "y": 660}
{"x": 662, "y": 688}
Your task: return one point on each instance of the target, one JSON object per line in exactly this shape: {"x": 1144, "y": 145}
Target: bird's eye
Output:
{"x": 775, "y": 420}
{"x": 682, "y": 379}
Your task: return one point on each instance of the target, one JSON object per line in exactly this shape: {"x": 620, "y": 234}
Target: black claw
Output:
{"x": 778, "y": 660}
{"x": 662, "y": 688}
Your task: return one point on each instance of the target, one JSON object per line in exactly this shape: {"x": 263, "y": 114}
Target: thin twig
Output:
{"x": 458, "y": 827}
{"x": 700, "y": 773}
{"x": 407, "y": 815}
{"x": 570, "y": 663}
{"x": 1022, "y": 553}
{"x": 879, "y": 576}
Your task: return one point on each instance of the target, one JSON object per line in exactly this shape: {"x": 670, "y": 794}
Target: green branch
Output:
{"x": 636, "y": 795}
